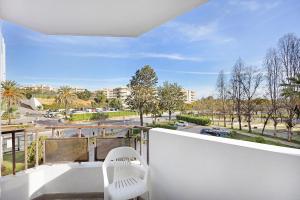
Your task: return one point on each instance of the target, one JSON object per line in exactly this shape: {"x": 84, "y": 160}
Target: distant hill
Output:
{"x": 78, "y": 102}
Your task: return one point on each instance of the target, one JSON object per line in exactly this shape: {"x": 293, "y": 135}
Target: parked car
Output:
{"x": 215, "y": 132}
{"x": 181, "y": 123}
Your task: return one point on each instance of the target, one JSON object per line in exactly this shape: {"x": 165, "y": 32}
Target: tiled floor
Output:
{"x": 78, "y": 196}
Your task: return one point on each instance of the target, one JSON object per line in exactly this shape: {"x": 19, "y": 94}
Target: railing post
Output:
{"x": 14, "y": 152}
{"x": 25, "y": 150}
{"x": 53, "y": 132}
{"x": 79, "y": 132}
{"x": 104, "y": 132}
{"x": 148, "y": 147}
{"x": 141, "y": 141}
{"x": 1, "y": 153}
{"x": 36, "y": 149}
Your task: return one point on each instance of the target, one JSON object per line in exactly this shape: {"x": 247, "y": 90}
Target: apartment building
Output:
{"x": 190, "y": 95}
{"x": 41, "y": 87}
{"x": 2, "y": 59}
{"x": 108, "y": 92}
{"x": 121, "y": 92}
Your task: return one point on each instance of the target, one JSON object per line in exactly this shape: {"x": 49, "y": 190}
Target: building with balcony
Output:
{"x": 2, "y": 59}
{"x": 190, "y": 95}
{"x": 121, "y": 93}
{"x": 39, "y": 87}
{"x": 108, "y": 92}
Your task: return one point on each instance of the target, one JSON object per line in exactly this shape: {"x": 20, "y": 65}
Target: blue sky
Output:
{"x": 189, "y": 50}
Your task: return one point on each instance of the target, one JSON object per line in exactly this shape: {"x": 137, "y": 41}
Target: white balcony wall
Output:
{"x": 47, "y": 179}
{"x": 193, "y": 166}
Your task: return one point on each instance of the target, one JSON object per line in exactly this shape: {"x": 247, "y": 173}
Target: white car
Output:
{"x": 182, "y": 123}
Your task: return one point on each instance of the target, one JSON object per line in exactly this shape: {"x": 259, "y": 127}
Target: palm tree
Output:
{"x": 65, "y": 97}
{"x": 11, "y": 96}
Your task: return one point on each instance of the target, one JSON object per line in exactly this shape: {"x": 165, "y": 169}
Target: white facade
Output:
{"x": 108, "y": 92}
{"x": 192, "y": 166}
{"x": 2, "y": 59}
{"x": 190, "y": 95}
{"x": 119, "y": 92}
{"x": 41, "y": 87}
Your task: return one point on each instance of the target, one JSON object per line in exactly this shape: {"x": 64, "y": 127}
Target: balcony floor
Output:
{"x": 77, "y": 196}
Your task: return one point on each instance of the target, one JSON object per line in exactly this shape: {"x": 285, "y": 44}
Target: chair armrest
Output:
{"x": 105, "y": 177}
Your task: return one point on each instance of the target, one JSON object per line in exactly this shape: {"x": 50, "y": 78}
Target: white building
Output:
{"x": 190, "y": 95}
{"x": 2, "y": 59}
{"x": 108, "y": 92}
{"x": 121, "y": 92}
{"x": 41, "y": 87}
{"x": 118, "y": 92}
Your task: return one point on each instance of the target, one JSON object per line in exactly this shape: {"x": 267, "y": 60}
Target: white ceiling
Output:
{"x": 93, "y": 17}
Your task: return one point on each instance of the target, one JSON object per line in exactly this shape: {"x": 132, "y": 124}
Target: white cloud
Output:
{"x": 169, "y": 56}
{"x": 254, "y": 5}
{"x": 196, "y": 32}
{"x": 204, "y": 90}
{"x": 41, "y": 39}
{"x": 105, "y": 80}
{"x": 193, "y": 72}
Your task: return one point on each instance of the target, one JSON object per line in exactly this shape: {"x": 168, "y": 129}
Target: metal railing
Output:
{"x": 100, "y": 143}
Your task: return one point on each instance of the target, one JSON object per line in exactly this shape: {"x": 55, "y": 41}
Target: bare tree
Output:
{"x": 289, "y": 54}
{"x": 222, "y": 94}
{"x": 273, "y": 81}
{"x": 236, "y": 91}
{"x": 250, "y": 83}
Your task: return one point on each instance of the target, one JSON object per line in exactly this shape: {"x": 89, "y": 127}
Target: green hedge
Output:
{"x": 167, "y": 126}
{"x": 193, "y": 119}
{"x": 96, "y": 116}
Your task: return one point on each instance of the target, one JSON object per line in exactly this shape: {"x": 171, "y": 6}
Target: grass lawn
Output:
{"x": 7, "y": 163}
{"x": 257, "y": 140}
{"x": 89, "y": 116}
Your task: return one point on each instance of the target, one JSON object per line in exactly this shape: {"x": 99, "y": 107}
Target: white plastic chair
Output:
{"x": 125, "y": 174}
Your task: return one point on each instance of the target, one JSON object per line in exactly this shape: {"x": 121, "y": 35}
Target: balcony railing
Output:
{"x": 182, "y": 166}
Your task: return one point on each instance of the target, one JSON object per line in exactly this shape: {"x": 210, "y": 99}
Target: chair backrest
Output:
{"x": 122, "y": 156}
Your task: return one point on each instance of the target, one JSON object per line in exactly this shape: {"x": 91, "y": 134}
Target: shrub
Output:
{"x": 31, "y": 150}
{"x": 260, "y": 140}
{"x": 97, "y": 116}
{"x": 166, "y": 126}
{"x": 193, "y": 119}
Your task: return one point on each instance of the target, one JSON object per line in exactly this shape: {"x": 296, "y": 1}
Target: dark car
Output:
{"x": 215, "y": 132}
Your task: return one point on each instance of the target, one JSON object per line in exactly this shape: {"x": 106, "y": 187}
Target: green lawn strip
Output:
{"x": 7, "y": 162}
{"x": 268, "y": 136}
{"x": 19, "y": 157}
{"x": 90, "y": 116}
{"x": 258, "y": 139}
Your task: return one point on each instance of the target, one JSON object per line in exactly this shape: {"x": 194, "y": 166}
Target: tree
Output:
{"x": 171, "y": 97}
{"x": 289, "y": 54}
{"x": 115, "y": 103}
{"x": 142, "y": 86}
{"x": 291, "y": 92}
{"x": 273, "y": 81}
{"x": 154, "y": 108}
{"x": 85, "y": 95}
{"x": 222, "y": 94}
{"x": 100, "y": 99}
{"x": 65, "y": 97}
{"x": 236, "y": 91}
{"x": 250, "y": 83}
{"x": 11, "y": 96}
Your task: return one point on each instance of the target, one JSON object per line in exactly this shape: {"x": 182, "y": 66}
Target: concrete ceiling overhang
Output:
{"x": 94, "y": 17}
